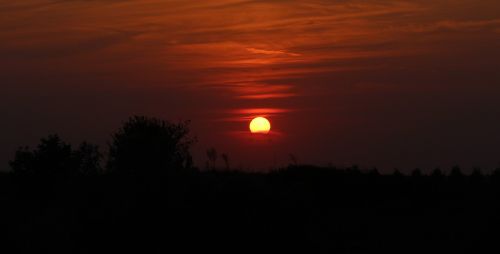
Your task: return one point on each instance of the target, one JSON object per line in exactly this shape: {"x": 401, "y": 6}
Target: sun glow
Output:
{"x": 260, "y": 125}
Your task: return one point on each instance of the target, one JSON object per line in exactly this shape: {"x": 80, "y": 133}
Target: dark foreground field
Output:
{"x": 300, "y": 209}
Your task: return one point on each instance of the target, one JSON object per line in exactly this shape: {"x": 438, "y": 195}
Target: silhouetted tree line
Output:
{"x": 55, "y": 158}
{"x": 143, "y": 146}
{"x": 147, "y": 197}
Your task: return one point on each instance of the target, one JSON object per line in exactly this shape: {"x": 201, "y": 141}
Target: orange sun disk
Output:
{"x": 260, "y": 125}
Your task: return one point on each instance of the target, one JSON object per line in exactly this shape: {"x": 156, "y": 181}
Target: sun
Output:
{"x": 260, "y": 125}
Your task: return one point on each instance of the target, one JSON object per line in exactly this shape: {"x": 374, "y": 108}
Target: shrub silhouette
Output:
{"x": 150, "y": 146}
{"x": 55, "y": 158}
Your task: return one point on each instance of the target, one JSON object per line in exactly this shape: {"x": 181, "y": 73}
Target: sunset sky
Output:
{"x": 383, "y": 83}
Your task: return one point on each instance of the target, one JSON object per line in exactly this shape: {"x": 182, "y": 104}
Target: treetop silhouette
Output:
{"x": 150, "y": 146}
{"x": 55, "y": 158}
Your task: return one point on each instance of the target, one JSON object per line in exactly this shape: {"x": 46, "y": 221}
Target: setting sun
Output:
{"x": 260, "y": 125}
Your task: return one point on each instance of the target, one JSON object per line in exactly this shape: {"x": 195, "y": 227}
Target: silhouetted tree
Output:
{"x": 55, "y": 158}
{"x": 212, "y": 156}
{"x": 88, "y": 158}
{"x": 24, "y": 162}
{"x": 150, "y": 146}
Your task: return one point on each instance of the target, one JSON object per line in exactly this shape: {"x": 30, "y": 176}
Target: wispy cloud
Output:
{"x": 248, "y": 48}
{"x": 271, "y": 52}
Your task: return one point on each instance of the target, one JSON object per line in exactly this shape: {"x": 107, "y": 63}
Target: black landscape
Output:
{"x": 146, "y": 197}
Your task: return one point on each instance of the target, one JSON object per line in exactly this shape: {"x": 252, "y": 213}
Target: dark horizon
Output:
{"x": 150, "y": 199}
{"x": 222, "y": 158}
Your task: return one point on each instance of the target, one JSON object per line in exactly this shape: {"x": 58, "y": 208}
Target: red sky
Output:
{"x": 376, "y": 83}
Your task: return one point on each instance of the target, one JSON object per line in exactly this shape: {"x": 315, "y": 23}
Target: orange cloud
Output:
{"x": 271, "y": 52}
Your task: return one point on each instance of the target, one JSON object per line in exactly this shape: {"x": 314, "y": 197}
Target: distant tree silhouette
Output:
{"x": 24, "y": 162}
{"x": 88, "y": 158}
{"x": 150, "y": 146}
{"x": 55, "y": 158}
